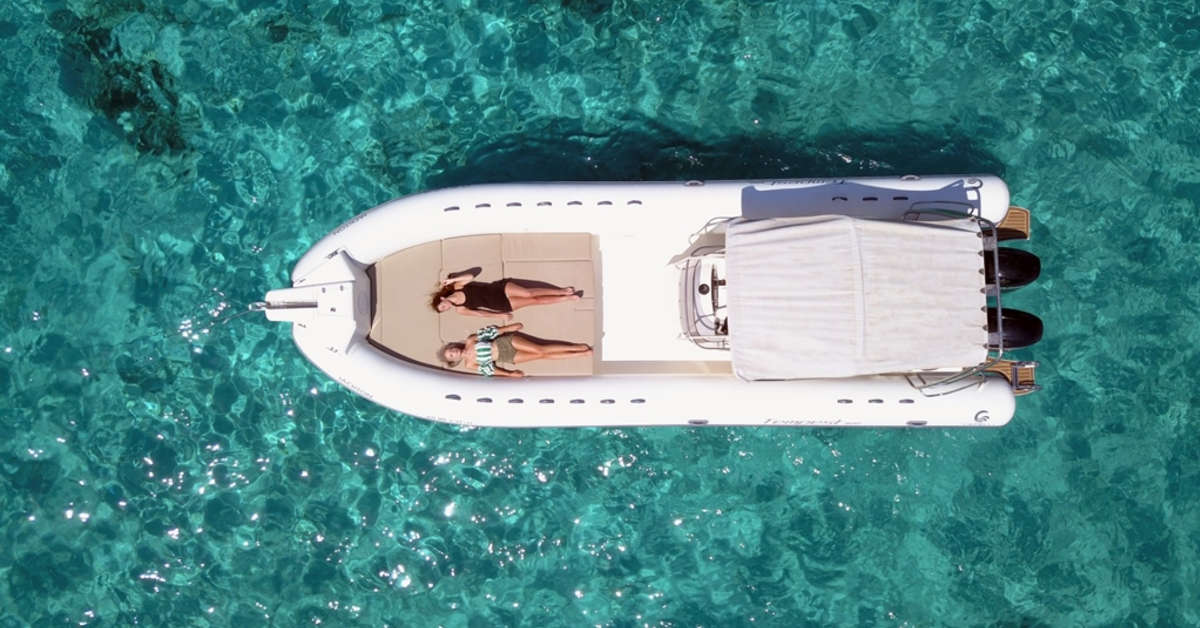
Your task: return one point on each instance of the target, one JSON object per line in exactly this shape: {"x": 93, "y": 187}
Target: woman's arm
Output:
{"x": 465, "y": 312}
{"x": 460, "y": 279}
{"x": 511, "y": 327}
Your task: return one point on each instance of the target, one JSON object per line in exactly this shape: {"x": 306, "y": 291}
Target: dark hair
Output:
{"x": 440, "y": 294}
{"x": 442, "y": 353}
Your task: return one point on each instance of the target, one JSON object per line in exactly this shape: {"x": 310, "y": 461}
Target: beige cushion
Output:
{"x": 561, "y": 260}
{"x": 546, "y": 247}
{"x": 404, "y": 323}
{"x": 477, "y": 251}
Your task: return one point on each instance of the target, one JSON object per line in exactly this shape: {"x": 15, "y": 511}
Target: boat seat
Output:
{"x": 704, "y": 297}
{"x": 536, "y": 259}
{"x": 403, "y": 323}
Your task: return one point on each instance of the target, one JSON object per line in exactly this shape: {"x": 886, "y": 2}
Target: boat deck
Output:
{"x": 641, "y": 303}
{"x": 629, "y": 311}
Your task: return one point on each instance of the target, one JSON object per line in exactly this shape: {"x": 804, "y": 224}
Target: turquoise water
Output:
{"x": 165, "y": 163}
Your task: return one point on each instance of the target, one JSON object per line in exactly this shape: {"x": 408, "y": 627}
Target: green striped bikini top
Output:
{"x": 483, "y": 350}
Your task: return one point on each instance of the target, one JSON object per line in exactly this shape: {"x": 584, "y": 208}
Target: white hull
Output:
{"x": 620, "y": 215}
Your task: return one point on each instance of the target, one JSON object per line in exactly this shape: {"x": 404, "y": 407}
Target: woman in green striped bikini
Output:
{"x": 484, "y": 349}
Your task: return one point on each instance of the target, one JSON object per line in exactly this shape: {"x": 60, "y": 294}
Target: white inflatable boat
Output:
{"x": 797, "y": 302}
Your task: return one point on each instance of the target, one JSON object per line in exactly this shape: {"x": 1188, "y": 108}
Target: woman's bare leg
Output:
{"x": 525, "y": 356}
{"x": 520, "y": 343}
{"x": 525, "y": 345}
{"x": 564, "y": 356}
{"x": 565, "y": 347}
{"x": 568, "y": 354}
{"x": 514, "y": 289}
{"x": 520, "y": 302}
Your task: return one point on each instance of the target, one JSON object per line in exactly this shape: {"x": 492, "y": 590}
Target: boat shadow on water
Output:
{"x": 561, "y": 150}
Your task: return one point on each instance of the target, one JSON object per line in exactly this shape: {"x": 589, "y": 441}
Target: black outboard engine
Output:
{"x": 1017, "y": 268}
{"x": 1021, "y": 329}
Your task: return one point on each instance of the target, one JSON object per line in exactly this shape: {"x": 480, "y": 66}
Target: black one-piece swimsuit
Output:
{"x": 486, "y": 296}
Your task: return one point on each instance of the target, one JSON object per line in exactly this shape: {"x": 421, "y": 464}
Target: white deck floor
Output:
{"x": 641, "y": 299}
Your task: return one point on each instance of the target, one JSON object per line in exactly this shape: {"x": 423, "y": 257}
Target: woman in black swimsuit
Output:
{"x": 498, "y": 298}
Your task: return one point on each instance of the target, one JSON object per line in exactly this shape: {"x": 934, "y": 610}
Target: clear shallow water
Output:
{"x": 164, "y": 164}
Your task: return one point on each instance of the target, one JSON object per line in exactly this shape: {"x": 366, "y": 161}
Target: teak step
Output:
{"x": 1021, "y": 375}
{"x": 1015, "y": 225}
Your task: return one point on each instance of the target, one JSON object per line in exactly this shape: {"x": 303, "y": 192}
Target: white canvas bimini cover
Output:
{"x": 834, "y": 296}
